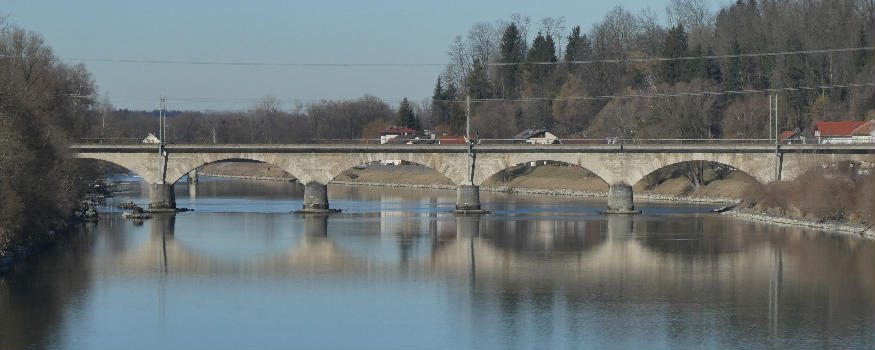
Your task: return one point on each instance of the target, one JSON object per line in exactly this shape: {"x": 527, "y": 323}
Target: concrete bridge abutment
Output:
{"x": 162, "y": 197}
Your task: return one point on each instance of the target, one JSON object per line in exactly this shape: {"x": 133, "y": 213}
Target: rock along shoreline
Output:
{"x": 860, "y": 230}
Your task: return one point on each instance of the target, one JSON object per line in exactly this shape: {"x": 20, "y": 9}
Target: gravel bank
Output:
{"x": 556, "y": 192}
{"x": 861, "y": 230}
{"x": 246, "y": 177}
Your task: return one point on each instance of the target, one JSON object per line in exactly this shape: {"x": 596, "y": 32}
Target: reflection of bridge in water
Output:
{"x": 611, "y": 247}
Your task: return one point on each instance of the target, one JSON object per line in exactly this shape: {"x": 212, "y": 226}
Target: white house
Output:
{"x": 392, "y": 132}
{"x": 151, "y": 138}
{"x": 537, "y": 137}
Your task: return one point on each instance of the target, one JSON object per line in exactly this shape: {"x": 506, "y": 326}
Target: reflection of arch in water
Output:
{"x": 696, "y": 237}
{"x": 311, "y": 247}
{"x": 544, "y": 237}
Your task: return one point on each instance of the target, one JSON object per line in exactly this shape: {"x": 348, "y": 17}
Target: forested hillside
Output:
{"x": 606, "y": 82}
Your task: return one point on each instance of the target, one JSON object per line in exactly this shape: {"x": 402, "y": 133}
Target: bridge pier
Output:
{"x": 192, "y": 175}
{"x": 162, "y": 197}
{"x": 468, "y": 200}
{"x": 316, "y": 199}
{"x": 620, "y": 200}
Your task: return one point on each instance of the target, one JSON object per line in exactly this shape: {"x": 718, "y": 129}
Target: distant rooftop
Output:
{"x": 836, "y": 128}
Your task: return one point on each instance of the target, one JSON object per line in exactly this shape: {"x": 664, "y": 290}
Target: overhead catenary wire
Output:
{"x": 671, "y": 94}
{"x": 426, "y": 64}
{"x": 146, "y": 99}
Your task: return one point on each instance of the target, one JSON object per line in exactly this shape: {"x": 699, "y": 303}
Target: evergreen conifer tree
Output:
{"x": 674, "y": 71}
{"x": 510, "y": 51}
{"x": 406, "y": 117}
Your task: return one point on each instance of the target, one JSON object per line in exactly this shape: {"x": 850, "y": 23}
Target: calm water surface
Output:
{"x": 395, "y": 270}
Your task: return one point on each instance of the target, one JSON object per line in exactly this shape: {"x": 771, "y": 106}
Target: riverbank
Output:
{"x": 578, "y": 182}
{"x": 857, "y": 229}
{"x": 555, "y": 192}
{"x": 245, "y": 171}
{"x": 14, "y": 250}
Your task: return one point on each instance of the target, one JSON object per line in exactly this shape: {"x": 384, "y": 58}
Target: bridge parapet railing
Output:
{"x": 455, "y": 141}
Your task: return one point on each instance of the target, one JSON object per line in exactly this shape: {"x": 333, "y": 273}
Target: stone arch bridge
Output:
{"x": 621, "y": 166}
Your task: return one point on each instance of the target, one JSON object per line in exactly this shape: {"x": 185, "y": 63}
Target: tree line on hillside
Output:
{"x": 265, "y": 122}
{"x": 595, "y": 84}
{"x": 582, "y": 95}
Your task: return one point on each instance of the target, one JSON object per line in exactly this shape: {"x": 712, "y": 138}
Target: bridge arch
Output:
{"x": 184, "y": 169}
{"x": 443, "y": 165}
{"x": 137, "y": 166}
{"x": 490, "y": 164}
{"x": 182, "y": 164}
{"x": 760, "y": 166}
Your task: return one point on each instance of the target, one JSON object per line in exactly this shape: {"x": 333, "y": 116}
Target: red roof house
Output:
{"x": 395, "y": 131}
{"x": 791, "y": 136}
{"x": 835, "y": 132}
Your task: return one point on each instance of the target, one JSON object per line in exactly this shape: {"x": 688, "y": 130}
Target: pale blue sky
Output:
{"x": 273, "y": 31}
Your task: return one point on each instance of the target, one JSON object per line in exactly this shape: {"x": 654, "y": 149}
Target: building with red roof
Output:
{"x": 395, "y": 131}
{"x": 791, "y": 137}
{"x": 835, "y": 132}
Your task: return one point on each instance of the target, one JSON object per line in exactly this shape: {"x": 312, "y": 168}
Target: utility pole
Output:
{"x": 161, "y": 126}
{"x": 777, "y": 144}
{"x": 776, "y": 118}
{"x": 769, "y": 124}
{"x": 163, "y": 120}
{"x": 468, "y": 140}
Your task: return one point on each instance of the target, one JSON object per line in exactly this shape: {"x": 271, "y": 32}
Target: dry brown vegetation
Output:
{"x": 818, "y": 195}
{"x": 42, "y": 102}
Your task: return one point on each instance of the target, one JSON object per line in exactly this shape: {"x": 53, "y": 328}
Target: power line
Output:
{"x": 672, "y": 94}
{"x": 147, "y": 99}
{"x": 688, "y": 58}
{"x": 410, "y": 64}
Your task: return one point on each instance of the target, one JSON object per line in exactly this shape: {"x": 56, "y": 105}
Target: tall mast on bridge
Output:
{"x": 469, "y": 158}
{"x": 161, "y": 126}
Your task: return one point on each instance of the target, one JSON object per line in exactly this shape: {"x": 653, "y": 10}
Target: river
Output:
{"x": 396, "y": 270}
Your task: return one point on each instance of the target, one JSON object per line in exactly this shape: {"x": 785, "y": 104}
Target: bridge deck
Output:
{"x": 516, "y": 148}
